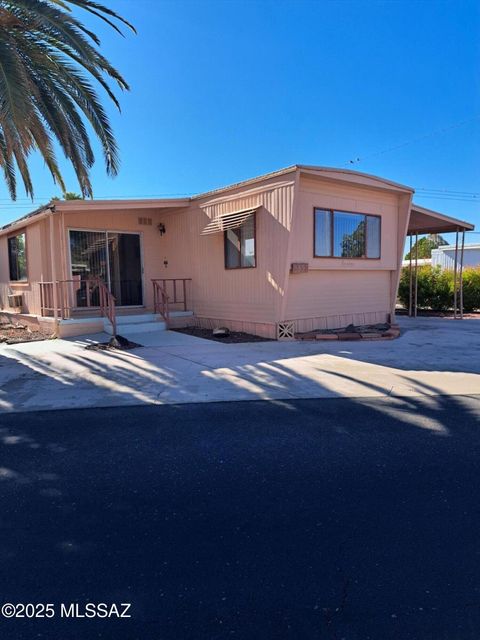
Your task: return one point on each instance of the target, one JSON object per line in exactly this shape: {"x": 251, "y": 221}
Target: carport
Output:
{"x": 423, "y": 221}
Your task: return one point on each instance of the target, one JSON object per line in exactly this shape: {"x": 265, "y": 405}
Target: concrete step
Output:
{"x": 180, "y": 314}
{"x": 149, "y": 317}
{"x": 143, "y": 322}
{"x": 137, "y": 318}
{"x": 136, "y": 327}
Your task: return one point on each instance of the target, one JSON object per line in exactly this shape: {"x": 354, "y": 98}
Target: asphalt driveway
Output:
{"x": 299, "y": 519}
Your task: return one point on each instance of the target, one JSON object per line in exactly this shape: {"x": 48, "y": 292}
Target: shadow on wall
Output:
{"x": 343, "y": 528}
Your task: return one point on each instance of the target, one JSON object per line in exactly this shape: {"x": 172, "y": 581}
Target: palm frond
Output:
{"x": 47, "y": 61}
{"x": 98, "y": 9}
{"x": 8, "y": 167}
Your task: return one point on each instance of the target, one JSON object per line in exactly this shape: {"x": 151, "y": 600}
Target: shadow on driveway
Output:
{"x": 431, "y": 357}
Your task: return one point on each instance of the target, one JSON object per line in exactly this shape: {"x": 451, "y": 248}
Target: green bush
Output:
{"x": 471, "y": 289}
{"x": 404, "y": 287}
{"x": 435, "y": 288}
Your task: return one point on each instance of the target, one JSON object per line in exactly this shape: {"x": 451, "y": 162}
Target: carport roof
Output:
{"x": 427, "y": 221}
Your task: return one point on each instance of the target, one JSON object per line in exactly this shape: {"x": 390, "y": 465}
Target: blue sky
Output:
{"x": 226, "y": 90}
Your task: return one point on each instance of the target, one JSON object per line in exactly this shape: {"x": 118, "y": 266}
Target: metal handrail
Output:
{"x": 107, "y": 301}
{"x": 160, "y": 301}
{"x": 175, "y": 283}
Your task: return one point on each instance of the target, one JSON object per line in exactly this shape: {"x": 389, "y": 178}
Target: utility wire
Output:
{"x": 433, "y": 197}
{"x": 425, "y": 136}
{"x": 449, "y": 191}
{"x": 420, "y": 192}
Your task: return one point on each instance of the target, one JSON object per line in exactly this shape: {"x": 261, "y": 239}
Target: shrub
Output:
{"x": 471, "y": 289}
{"x": 440, "y": 290}
{"x": 404, "y": 287}
{"x": 435, "y": 288}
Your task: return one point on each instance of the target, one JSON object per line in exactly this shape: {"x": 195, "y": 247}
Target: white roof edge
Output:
{"x": 77, "y": 205}
{"x": 26, "y": 220}
{"x": 70, "y": 205}
{"x": 302, "y": 167}
{"x": 242, "y": 183}
{"x": 451, "y": 247}
{"x": 391, "y": 183}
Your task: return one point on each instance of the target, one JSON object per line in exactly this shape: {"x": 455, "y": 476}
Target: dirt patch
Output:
{"x": 232, "y": 337}
{"x": 118, "y": 343}
{"x": 16, "y": 333}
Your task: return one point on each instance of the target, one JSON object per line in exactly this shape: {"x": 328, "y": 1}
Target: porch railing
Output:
{"x": 168, "y": 292}
{"x": 57, "y": 298}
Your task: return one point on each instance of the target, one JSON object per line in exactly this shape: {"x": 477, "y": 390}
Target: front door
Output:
{"x": 115, "y": 258}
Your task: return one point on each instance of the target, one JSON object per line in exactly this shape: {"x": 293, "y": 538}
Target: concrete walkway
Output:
{"x": 432, "y": 357}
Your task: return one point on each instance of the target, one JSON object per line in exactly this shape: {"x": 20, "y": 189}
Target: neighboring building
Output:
{"x": 444, "y": 256}
{"x": 421, "y": 262}
{"x": 291, "y": 251}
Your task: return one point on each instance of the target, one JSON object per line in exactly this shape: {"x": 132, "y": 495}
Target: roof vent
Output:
{"x": 145, "y": 221}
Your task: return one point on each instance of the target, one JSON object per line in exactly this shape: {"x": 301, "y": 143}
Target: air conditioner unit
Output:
{"x": 15, "y": 300}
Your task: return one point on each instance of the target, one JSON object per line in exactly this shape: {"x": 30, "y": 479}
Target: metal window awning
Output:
{"x": 226, "y": 221}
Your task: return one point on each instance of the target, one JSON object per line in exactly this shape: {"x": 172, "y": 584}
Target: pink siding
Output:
{"x": 336, "y": 292}
{"x": 243, "y": 295}
{"x": 404, "y": 208}
{"x": 338, "y": 298}
{"x": 35, "y": 247}
{"x": 152, "y": 243}
{"x": 333, "y": 293}
{"x": 331, "y": 195}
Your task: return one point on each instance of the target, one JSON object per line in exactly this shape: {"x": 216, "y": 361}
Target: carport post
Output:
{"x": 416, "y": 273}
{"x": 461, "y": 274}
{"x": 455, "y": 277}
{"x": 410, "y": 301}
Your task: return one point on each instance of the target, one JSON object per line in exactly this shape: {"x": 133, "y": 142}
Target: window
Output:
{"x": 17, "y": 257}
{"x": 113, "y": 257}
{"x": 341, "y": 234}
{"x": 240, "y": 246}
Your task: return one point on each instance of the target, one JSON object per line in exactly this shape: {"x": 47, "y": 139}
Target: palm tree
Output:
{"x": 48, "y": 60}
{"x": 67, "y": 195}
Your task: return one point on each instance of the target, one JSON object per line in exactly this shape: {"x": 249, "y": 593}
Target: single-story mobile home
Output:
{"x": 295, "y": 250}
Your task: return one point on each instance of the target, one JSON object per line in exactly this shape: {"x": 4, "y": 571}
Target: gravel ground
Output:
{"x": 233, "y": 337}
{"x": 12, "y": 334}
